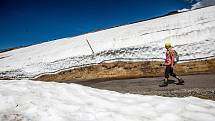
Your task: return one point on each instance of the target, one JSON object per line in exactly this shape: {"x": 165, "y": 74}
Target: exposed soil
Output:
{"x": 129, "y": 69}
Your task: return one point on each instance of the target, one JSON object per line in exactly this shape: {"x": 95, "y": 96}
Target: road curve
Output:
{"x": 201, "y": 85}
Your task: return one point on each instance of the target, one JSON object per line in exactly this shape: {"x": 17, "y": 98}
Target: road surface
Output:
{"x": 201, "y": 85}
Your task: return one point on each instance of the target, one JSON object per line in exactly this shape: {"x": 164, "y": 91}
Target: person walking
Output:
{"x": 169, "y": 66}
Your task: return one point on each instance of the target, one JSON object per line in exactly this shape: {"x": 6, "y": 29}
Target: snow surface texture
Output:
{"x": 199, "y": 4}
{"x": 191, "y": 33}
{"x": 203, "y": 3}
{"x": 49, "y": 101}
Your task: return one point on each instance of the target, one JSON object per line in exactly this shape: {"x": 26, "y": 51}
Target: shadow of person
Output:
{"x": 171, "y": 82}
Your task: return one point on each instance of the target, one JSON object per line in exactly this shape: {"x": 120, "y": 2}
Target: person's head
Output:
{"x": 167, "y": 45}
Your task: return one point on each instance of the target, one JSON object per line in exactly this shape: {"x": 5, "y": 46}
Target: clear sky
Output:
{"x": 24, "y": 22}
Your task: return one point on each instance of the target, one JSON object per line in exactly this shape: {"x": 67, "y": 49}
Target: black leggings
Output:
{"x": 169, "y": 71}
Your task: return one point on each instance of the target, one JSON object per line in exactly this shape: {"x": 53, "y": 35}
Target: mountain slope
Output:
{"x": 192, "y": 34}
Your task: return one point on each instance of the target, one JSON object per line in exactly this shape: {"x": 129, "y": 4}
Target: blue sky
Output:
{"x": 24, "y": 22}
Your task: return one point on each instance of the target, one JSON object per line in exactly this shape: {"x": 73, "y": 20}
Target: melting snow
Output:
{"x": 25, "y": 100}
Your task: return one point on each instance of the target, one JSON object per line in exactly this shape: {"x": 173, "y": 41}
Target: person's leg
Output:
{"x": 180, "y": 80}
{"x": 173, "y": 74}
{"x": 167, "y": 72}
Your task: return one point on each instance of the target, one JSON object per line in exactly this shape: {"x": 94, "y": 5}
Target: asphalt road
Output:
{"x": 201, "y": 85}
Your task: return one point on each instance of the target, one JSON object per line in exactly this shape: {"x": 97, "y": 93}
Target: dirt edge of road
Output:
{"x": 128, "y": 69}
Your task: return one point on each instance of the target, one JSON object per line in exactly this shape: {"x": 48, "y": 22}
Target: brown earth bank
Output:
{"x": 128, "y": 69}
{"x": 201, "y": 85}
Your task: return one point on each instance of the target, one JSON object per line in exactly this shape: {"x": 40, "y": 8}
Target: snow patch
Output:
{"x": 49, "y": 101}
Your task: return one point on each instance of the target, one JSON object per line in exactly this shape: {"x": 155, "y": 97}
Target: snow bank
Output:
{"x": 192, "y": 34}
{"x": 49, "y": 101}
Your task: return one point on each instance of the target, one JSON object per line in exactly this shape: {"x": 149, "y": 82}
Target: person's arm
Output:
{"x": 166, "y": 63}
{"x": 172, "y": 59}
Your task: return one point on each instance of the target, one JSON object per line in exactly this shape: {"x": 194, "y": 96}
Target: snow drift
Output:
{"x": 44, "y": 101}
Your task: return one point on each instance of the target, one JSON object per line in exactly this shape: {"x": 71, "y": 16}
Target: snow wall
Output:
{"x": 192, "y": 34}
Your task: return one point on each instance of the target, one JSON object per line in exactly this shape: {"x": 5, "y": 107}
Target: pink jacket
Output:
{"x": 169, "y": 56}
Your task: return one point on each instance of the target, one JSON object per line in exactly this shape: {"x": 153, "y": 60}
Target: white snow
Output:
{"x": 203, "y": 3}
{"x": 25, "y": 100}
{"x": 192, "y": 34}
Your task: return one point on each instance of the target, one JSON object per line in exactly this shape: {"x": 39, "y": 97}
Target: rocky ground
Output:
{"x": 200, "y": 85}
